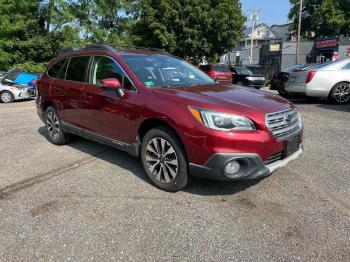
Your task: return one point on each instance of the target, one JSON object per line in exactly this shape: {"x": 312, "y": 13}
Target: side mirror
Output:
{"x": 114, "y": 84}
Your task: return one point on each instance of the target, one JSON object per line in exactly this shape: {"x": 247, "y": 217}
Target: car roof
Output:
{"x": 106, "y": 48}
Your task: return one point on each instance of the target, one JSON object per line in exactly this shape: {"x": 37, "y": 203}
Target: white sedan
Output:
{"x": 328, "y": 80}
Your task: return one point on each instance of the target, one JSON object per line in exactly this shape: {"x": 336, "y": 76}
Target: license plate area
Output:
{"x": 291, "y": 146}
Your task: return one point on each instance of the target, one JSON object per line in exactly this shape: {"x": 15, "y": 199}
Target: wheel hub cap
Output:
{"x": 161, "y": 160}
{"x": 52, "y": 124}
{"x": 6, "y": 97}
{"x": 342, "y": 93}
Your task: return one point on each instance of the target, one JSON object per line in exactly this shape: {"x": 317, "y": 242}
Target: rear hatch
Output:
{"x": 221, "y": 73}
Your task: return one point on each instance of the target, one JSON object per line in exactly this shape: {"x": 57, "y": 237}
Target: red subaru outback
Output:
{"x": 173, "y": 116}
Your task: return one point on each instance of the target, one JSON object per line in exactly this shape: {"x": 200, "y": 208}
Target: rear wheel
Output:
{"x": 340, "y": 93}
{"x": 54, "y": 128}
{"x": 6, "y": 97}
{"x": 164, "y": 160}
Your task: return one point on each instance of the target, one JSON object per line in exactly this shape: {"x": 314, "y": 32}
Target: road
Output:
{"x": 85, "y": 201}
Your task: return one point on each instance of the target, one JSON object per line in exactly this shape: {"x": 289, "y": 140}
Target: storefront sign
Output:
{"x": 327, "y": 43}
{"x": 275, "y": 47}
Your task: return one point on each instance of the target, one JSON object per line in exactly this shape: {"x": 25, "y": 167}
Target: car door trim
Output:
{"x": 132, "y": 149}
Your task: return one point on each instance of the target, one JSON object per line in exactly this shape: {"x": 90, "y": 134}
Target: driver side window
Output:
{"x": 105, "y": 67}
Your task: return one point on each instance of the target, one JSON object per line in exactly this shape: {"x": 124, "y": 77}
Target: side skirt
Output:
{"x": 132, "y": 149}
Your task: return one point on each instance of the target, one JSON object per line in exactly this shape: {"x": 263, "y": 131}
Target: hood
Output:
{"x": 227, "y": 98}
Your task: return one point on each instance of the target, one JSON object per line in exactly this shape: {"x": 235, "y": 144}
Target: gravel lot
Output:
{"x": 85, "y": 201}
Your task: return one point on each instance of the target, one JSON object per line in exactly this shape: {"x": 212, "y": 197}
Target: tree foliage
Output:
{"x": 322, "y": 17}
{"x": 33, "y": 31}
{"x": 193, "y": 28}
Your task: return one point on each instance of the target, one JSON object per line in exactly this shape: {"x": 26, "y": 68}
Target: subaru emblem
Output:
{"x": 288, "y": 118}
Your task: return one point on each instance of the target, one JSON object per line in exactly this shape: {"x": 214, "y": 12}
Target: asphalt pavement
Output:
{"x": 85, "y": 201}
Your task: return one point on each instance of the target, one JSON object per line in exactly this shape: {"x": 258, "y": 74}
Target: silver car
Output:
{"x": 10, "y": 92}
{"x": 328, "y": 80}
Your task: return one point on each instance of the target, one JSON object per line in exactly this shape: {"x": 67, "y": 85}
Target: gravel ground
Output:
{"x": 85, "y": 201}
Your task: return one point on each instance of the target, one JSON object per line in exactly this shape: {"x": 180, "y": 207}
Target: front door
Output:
{"x": 106, "y": 113}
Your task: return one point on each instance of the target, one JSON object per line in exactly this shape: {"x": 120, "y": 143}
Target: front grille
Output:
{"x": 274, "y": 158}
{"x": 284, "y": 124}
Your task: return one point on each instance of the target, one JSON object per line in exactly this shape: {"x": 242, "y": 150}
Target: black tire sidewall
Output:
{"x": 61, "y": 140}
{"x": 181, "y": 179}
{"x": 12, "y": 97}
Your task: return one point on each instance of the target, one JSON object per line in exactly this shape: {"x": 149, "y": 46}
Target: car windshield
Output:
{"x": 160, "y": 70}
{"x": 221, "y": 68}
{"x": 243, "y": 71}
{"x": 292, "y": 68}
{"x": 317, "y": 66}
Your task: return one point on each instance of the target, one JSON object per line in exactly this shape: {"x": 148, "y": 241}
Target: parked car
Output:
{"x": 15, "y": 86}
{"x": 245, "y": 77}
{"x": 218, "y": 72}
{"x": 327, "y": 80}
{"x": 279, "y": 79}
{"x": 178, "y": 120}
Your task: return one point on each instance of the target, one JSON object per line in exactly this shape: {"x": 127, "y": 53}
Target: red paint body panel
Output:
{"x": 101, "y": 111}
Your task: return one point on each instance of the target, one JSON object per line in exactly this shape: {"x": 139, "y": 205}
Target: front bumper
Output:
{"x": 252, "y": 166}
{"x": 24, "y": 93}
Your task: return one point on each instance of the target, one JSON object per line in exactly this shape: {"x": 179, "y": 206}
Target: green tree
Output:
{"x": 192, "y": 28}
{"x": 22, "y": 35}
{"x": 321, "y": 17}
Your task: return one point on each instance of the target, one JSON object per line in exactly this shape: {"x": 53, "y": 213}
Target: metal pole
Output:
{"x": 299, "y": 30}
{"x": 253, "y": 15}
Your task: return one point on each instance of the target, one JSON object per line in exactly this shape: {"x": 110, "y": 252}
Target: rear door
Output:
{"x": 68, "y": 90}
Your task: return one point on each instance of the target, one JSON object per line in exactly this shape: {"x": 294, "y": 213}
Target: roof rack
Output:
{"x": 139, "y": 48}
{"x": 109, "y": 48}
{"x": 89, "y": 47}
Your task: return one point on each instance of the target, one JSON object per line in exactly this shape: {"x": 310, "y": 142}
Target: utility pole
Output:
{"x": 253, "y": 16}
{"x": 299, "y": 30}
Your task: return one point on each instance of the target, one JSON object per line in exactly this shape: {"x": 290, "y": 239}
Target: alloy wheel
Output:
{"x": 6, "y": 97}
{"x": 161, "y": 160}
{"x": 342, "y": 93}
{"x": 53, "y": 126}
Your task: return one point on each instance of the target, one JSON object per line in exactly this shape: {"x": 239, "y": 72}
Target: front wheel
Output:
{"x": 6, "y": 97}
{"x": 340, "y": 93}
{"x": 164, "y": 160}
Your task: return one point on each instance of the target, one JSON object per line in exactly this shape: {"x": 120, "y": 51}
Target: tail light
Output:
{"x": 310, "y": 76}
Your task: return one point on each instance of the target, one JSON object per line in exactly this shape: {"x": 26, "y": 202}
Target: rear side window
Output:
{"x": 219, "y": 68}
{"x": 57, "y": 70}
{"x": 77, "y": 68}
{"x": 347, "y": 66}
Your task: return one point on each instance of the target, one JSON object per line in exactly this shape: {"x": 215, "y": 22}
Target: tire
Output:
{"x": 340, "y": 93}
{"x": 164, "y": 160}
{"x": 6, "y": 97}
{"x": 54, "y": 129}
{"x": 240, "y": 83}
{"x": 283, "y": 93}
{"x": 312, "y": 99}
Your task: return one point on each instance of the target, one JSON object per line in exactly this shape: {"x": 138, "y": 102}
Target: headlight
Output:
{"x": 249, "y": 78}
{"x": 222, "y": 121}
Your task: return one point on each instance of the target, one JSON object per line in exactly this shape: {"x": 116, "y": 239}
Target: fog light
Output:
{"x": 232, "y": 167}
